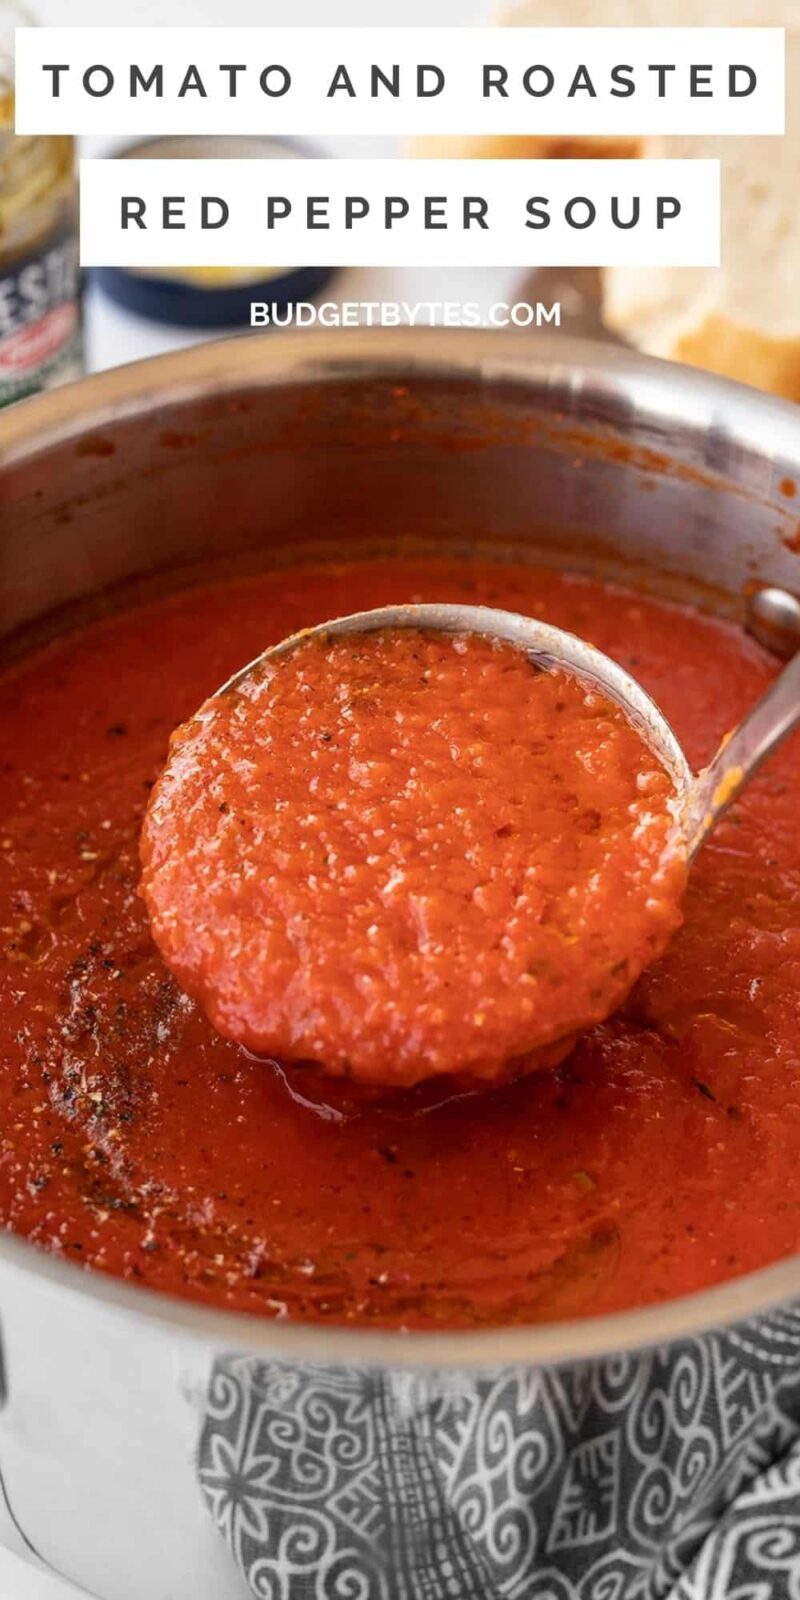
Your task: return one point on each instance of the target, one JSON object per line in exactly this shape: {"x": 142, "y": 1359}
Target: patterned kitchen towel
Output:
{"x": 668, "y": 1475}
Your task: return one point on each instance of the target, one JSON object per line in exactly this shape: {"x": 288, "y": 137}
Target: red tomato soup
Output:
{"x": 404, "y": 854}
{"x": 661, "y": 1156}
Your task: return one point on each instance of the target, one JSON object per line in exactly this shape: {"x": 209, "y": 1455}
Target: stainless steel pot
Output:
{"x": 595, "y": 457}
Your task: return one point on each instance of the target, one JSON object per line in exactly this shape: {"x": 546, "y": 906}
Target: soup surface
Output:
{"x": 405, "y": 854}
{"x": 663, "y": 1155}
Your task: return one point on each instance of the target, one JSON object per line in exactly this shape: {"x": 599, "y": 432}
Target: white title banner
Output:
{"x": 400, "y": 81}
{"x": 399, "y": 213}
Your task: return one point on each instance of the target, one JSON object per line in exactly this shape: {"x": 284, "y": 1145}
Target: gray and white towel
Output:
{"x": 669, "y": 1475}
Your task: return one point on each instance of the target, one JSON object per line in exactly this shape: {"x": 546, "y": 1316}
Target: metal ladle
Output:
{"x": 701, "y": 798}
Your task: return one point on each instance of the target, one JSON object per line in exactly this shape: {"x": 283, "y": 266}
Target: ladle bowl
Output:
{"x": 701, "y": 799}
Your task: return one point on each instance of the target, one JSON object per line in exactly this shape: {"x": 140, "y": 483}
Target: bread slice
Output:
{"x": 741, "y": 319}
{"x": 615, "y": 14}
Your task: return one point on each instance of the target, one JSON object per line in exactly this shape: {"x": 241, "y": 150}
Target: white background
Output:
{"x": 114, "y": 337}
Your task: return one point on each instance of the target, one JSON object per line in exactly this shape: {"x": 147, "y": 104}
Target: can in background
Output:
{"x": 41, "y": 341}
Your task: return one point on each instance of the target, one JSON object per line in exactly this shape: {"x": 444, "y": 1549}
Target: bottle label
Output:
{"x": 40, "y": 320}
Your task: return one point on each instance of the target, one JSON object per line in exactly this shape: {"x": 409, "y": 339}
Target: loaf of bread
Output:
{"x": 741, "y": 319}
{"x": 614, "y": 14}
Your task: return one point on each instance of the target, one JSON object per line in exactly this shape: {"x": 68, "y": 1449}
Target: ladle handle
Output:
{"x": 741, "y": 754}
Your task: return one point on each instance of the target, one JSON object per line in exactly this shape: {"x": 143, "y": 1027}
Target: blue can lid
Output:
{"x": 210, "y": 297}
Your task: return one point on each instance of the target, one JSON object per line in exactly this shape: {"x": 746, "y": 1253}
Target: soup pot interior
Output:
{"x": 264, "y": 453}
{"x": 257, "y": 451}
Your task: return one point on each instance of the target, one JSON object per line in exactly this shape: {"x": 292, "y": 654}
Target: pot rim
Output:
{"x": 488, "y": 356}
{"x": 303, "y": 356}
